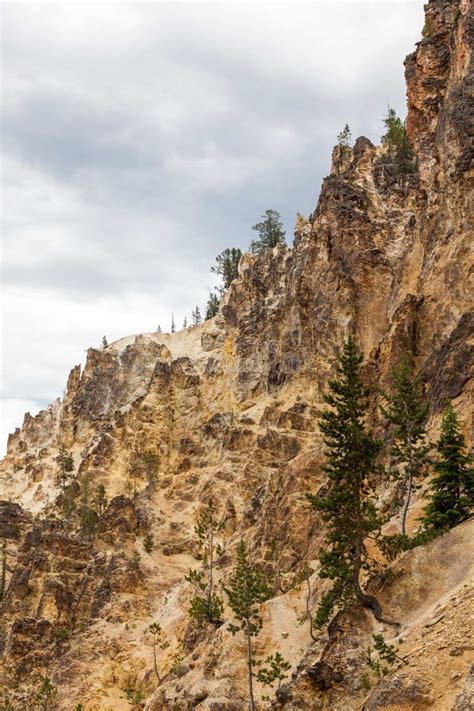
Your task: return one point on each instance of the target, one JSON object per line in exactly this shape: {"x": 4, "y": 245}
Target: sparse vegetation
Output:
{"x": 134, "y": 697}
{"x": 206, "y": 604}
{"x": 148, "y": 543}
{"x": 46, "y": 695}
{"x": 383, "y": 653}
{"x": 247, "y": 588}
{"x": 275, "y": 670}
{"x": 344, "y": 138}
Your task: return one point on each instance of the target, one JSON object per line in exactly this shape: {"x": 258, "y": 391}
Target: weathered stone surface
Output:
{"x": 229, "y": 409}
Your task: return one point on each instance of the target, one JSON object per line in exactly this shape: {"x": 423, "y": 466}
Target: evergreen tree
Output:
{"x": 68, "y": 504}
{"x": 227, "y": 266}
{"x": 206, "y": 604}
{"x": 104, "y": 343}
{"x": 452, "y": 489}
{"x": 65, "y": 465}
{"x": 407, "y": 412}
{"x": 344, "y": 138}
{"x": 196, "y": 316}
{"x": 185, "y": 322}
{"x": 270, "y": 232}
{"x": 275, "y": 671}
{"x": 347, "y": 506}
{"x": 159, "y": 329}
{"x": 148, "y": 543}
{"x": 398, "y": 145}
{"x": 87, "y": 516}
{"x": 173, "y": 327}
{"x": 247, "y": 588}
{"x": 100, "y": 499}
{"x": 212, "y": 307}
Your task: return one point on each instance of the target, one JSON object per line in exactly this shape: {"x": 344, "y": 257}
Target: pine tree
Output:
{"x": 206, "y": 604}
{"x": 398, "y": 145}
{"x": 196, "y": 316}
{"x": 185, "y": 322}
{"x": 270, "y": 232}
{"x": 228, "y": 265}
{"x": 452, "y": 489}
{"x": 173, "y": 327}
{"x": 248, "y": 587}
{"x": 275, "y": 671}
{"x": 159, "y": 329}
{"x": 347, "y": 507}
{"x": 65, "y": 463}
{"x": 104, "y": 343}
{"x": 212, "y": 307}
{"x": 87, "y": 516}
{"x": 344, "y": 138}
{"x": 407, "y": 412}
{"x": 68, "y": 504}
{"x": 100, "y": 499}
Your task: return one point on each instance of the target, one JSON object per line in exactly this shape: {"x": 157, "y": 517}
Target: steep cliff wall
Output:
{"x": 229, "y": 408}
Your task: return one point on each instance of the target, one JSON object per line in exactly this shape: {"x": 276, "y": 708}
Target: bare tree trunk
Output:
{"x": 409, "y": 485}
{"x": 249, "y": 667}
{"x": 308, "y": 611}
{"x": 154, "y": 662}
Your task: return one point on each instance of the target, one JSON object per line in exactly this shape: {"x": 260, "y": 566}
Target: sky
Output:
{"x": 140, "y": 139}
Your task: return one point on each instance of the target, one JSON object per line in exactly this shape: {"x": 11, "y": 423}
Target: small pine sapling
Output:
{"x": 247, "y": 588}
{"x": 274, "y": 671}
{"x": 344, "y": 138}
{"x": 104, "y": 343}
{"x": 206, "y": 604}
{"x": 135, "y": 697}
{"x": 46, "y": 694}
{"x": 384, "y": 653}
{"x": 100, "y": 499}
{"x": 407, "y": 412}
{"x": 148, "y": 543}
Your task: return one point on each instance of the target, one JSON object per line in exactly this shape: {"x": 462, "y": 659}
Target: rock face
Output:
{"x": 229, "y": 409}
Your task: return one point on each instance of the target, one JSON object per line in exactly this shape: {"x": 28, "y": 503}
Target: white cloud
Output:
{"x": 140, "y": 139}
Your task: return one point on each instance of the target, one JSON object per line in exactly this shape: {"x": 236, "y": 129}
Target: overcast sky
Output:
{"x": 140, "y": 139}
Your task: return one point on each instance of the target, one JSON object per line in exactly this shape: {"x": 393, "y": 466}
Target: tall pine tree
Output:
{"x": 270, "y": 232}
{"x": 227, "y": 266}
{"x": 347, "y": 506}
{"x": 452, "y": 489}
{"x": 407, "y": 412}
{"x": 247, "y": 588}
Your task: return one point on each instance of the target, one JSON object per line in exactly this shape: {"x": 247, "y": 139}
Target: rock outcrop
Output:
{"x": 229, "y": 409}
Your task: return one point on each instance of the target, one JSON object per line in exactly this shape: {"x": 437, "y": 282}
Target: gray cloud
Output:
{"x": 140, "y": 139}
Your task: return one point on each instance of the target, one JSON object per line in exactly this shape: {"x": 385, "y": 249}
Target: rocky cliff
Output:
{"x": 229, "y": 409}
